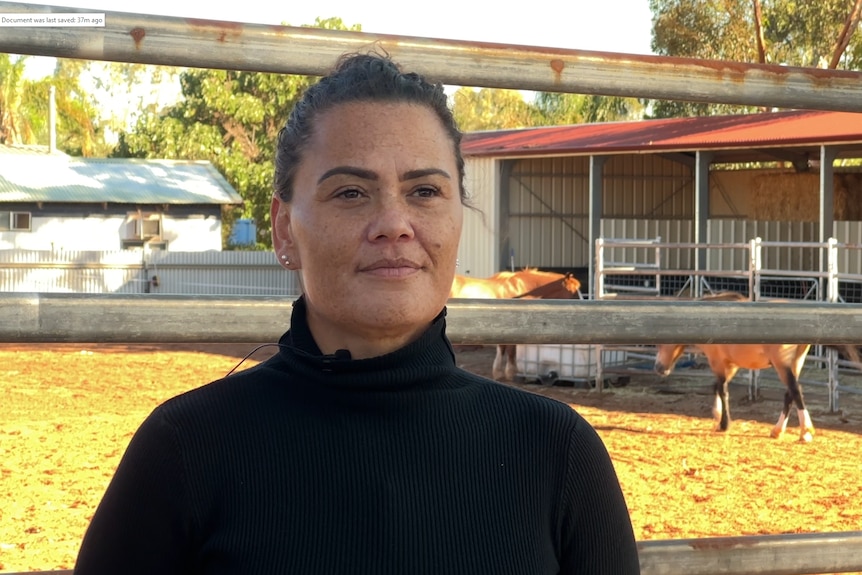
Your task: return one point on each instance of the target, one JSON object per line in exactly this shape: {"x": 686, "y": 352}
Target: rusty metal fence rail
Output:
{"x": 294, "y": 50}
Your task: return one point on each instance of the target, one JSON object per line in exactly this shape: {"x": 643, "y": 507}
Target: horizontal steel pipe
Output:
{"x": 295, "y": 50}
{"x": 148, "y": 318}
{"x": 793, "y": 554}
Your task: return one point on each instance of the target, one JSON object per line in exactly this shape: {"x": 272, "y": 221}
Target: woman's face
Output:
{"x": 373, "y": 225}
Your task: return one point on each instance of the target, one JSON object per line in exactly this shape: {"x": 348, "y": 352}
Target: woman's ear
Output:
{"x": 282, "y": 239}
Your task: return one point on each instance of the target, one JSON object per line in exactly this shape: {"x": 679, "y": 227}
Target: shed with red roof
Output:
{"x": 547, "y": 193}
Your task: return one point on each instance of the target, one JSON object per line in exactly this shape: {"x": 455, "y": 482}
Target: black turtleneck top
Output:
{"x": 399, "y": 464}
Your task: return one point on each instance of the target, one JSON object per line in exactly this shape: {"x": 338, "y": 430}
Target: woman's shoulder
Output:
{"x": 222, "y": 395}
{"x": 521, "y": 399}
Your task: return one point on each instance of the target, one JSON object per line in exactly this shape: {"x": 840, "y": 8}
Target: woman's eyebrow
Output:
{"x": 413, "y": 174}
{"x": 350, "y": 171}
{"x": 370, "y": 175}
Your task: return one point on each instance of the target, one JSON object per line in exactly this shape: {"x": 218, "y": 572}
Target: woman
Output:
{"x": 361, "y": 447}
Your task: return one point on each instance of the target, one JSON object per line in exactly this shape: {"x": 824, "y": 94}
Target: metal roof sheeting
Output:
{"x": 739, "y": 132}
{"x": 60, "y": 178}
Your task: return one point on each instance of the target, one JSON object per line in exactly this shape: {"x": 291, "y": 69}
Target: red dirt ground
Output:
{"x": 70, "y": 410}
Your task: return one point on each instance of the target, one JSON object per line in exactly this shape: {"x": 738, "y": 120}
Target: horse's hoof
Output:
{"x": 776, "y": 432}
{"x": 806, "y": 436}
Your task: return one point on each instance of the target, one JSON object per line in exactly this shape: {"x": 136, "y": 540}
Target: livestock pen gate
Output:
{"x": 760, "y": 270}
{"x": 208, "y": 44}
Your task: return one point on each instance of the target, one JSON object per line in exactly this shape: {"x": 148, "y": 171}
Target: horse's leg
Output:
{"x": 511, "y": 362}
{"x": 497, "y": 368}
{"x": 781, "y": 425}
{"x": 721, "y": 406}
{"x": 794, "y": 395}
{"x": 789, "y": 375}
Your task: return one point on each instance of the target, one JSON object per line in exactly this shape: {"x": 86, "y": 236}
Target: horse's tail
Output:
{"x": 852, "y": 353}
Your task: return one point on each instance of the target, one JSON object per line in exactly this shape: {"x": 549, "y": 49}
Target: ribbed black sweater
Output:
{"x": 401, "y": 464}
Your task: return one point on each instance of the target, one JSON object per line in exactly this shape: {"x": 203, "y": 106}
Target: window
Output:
{"x": 20, "y": 221}
{"x": 141, "y": 244}
{"x": 143, "y": 226}
{"x": 151, "y": 228}
{"x": 15, "y": 221}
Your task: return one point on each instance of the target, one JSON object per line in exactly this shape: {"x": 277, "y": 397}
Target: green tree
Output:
{"x": 554, "y": 109}
{"x": 24, "y": 108}
{"x": 78, "y": 131}
{"x": 491, "y": 109}
{"x": 232, "y": 119}
{"x": 788, "y": 32}
{"x": 496, "y": 109}
{"x": 15, "y": 125}
{"x": 124, "y": 91}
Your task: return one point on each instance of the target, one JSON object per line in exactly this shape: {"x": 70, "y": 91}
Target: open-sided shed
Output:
{"x": 548, "y": 193}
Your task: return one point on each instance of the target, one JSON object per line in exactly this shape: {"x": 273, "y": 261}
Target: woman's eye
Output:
{"x": 426, "y": 192}
{"x": 350, "y": 193}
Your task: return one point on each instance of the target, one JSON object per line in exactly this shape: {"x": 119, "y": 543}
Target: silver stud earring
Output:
{"x": 457, "y": 262}
{"x": 286, "y": 261}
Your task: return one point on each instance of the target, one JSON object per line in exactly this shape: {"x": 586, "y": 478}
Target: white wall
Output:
{"x": 106, "y": 233}
{"x": 477, "y": 252}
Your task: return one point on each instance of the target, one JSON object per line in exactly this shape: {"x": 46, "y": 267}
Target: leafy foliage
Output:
{"x": 25, "y": 104}
{"x": 493, "y": 109}
{"x": 794, "y": 33}
{"x": 232, "y": 119}
{"x": 557, "y": 108}
{"x": 15, "y": 126}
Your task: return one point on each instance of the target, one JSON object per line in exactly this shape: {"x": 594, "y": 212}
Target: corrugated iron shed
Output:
{"x": 37, "y": 177}
{"x": 739, "y": 138}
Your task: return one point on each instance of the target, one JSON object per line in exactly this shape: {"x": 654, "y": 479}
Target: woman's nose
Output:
{"x": 391, "y": 220}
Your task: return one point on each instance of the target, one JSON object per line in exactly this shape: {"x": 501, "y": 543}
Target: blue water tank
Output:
{"x": 244, "y": 232}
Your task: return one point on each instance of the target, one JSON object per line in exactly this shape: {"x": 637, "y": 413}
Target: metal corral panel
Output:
{"x": 670, "y": 231}
{"x": 647, "y": 186}
{"x": 728, "y": 232}
{"x": 850, "y": 258}
{"x": 773, "y": 257}
{"x": 197, "y": 273}
{"x": 548, "y": 213}
{"x": 479, "y": 251}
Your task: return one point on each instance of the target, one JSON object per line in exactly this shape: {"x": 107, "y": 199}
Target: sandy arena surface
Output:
{"x": 70, "y": 410}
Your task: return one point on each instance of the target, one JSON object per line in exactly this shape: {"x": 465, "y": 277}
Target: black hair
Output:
{"x": 358, "y": 78}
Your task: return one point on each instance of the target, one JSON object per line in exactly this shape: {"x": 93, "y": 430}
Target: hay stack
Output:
{"x": 792, "y": 197}
{"x": 848, "y": 197}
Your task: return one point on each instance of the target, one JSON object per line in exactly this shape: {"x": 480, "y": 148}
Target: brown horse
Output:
{"x": 503, "y": 285}
{"x": 567, "y": 288}
{"x": 726, "y": 359}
